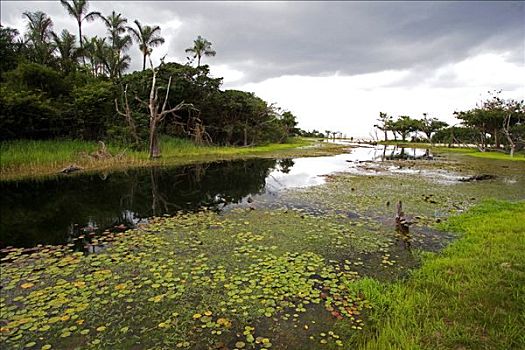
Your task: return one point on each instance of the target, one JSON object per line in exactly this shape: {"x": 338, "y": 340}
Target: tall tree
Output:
{"x": 79, "y": 10}
{"x": 383, "y": 123}
{"x": 9, "y": 48}
{"x": 68, "y": 51}
{"x": 116, "y": 27}
{"x": 147, "y": 37}
{"x": 39, "y": 28}
{"x": 98, "y": 52}
{"x": 201, "y": 47}
{"x": 404, "y": 125}
{"x": 158, "y": 111}
{"x": 430, "y": 125}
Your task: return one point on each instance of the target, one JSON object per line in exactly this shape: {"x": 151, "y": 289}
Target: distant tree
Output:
{"x": 487, "y": 117}
{"x": 428, "y": 126}
{"x": 79, "y": 10}
{"x": 39, "y": 28}
{"x": 147, "y": 37}
{"x": 383, "y": 123}
{"x": 9, "y": 48}
{"x": 289, "y": 123}
{"x": 404, "y": 125}
{"x": 201, "y": 47}
{"x": 98, "y": 52}
{"x": 118, "y": 61}
{"x": 496, "y": 116}
{"x": 69, "y": 53}
{"x": 513, "y": 129}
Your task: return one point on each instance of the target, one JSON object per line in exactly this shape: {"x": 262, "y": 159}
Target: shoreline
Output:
{"x": 173, "y": 157}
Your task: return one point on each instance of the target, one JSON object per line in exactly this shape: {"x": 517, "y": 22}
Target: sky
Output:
{"x": 335, "y": 65}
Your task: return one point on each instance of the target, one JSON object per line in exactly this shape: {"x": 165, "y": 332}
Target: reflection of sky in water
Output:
{"x": 308, "y": 171}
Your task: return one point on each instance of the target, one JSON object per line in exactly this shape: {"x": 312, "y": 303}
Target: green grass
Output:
{"x": 470, "y": 296}
{"x": 498, "y": 155}
{"x": 474, "y": 152}
{"x": 25, "y": 158}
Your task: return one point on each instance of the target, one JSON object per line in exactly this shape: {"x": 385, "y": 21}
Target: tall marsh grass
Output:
{"x": 24, "y": 158}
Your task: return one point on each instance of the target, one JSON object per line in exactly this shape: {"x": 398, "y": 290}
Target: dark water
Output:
{"x": 55, "y": 211}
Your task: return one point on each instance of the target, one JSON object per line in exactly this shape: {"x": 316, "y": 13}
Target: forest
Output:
{"x": 56, "y": 84}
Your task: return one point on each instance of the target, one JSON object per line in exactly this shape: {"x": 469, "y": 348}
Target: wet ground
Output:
{"x": 57, "y": 210}
{"x": 269, "y": 264}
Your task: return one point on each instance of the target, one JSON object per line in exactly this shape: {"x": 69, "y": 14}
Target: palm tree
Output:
{"x": 98, "y": 52}
{"x": 116, "y": 25}
{"x": 201, "y": 47}
{"x": 69, "y": 52}
{"x": 147, "y": 37}
{"x": 39, "y": 27}
{"x": 116, "y": 63}
{"x": 79, "y": 10}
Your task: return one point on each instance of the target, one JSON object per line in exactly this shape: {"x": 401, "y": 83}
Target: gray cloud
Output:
{"x": 265, "y": 40}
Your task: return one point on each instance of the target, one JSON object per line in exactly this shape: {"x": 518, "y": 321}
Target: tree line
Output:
{"x": 58, "y": 84}
{"x": 494, "y": 123}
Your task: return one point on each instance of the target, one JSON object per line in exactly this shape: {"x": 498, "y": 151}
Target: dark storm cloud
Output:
{"x": 266, "y": 40}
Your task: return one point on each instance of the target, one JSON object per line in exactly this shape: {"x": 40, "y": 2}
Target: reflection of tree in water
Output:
{"x": 35, "y": 212}
{"x": 285, "y": 165}
{"x": 403, "y": 154}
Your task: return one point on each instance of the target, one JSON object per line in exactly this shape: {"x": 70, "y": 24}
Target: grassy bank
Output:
{"x": 470, "y": 296}
{"x": 21, "y": 159}
{"x": 474, "y": 152}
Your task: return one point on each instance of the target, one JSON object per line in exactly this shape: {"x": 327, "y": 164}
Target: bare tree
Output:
{"x": 158, "y": 111}
{"x": 128, "y": 117}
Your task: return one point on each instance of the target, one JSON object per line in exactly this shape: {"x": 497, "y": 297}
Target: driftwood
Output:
{"x": 101, "y": 153}
{"x": 70, "y": 169}
{"x": 402, "y": 226}
{"x": 402, "y": 223}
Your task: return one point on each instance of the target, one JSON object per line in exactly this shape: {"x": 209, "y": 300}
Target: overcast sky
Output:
{"x": 336, "y": 65}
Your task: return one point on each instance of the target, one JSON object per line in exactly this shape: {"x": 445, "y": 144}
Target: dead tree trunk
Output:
{"x": 158, "y": 112}
{"x": 128, "y": 117}
{"x": 402, "y": 224}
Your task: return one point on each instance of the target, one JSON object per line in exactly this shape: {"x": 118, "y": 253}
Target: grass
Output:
{"x": 498, "y": 155}
{"x": 26, "y": 158}
{"x": 470, "y": 296}
{"x": 474, "y": 152}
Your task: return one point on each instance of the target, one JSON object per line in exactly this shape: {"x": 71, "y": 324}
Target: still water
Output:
{"x": 54, "y": 211}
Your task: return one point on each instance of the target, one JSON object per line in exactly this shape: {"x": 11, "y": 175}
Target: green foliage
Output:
{"x": 9, "y": 49}
{"x": 37, "y": 78}
{"x": 453, "y": 134}
{"x": 469, "y": 296}
{"x": 27, "y": 114}
{"x": 201, "y": 47}
{"x": 94, "y": 110}
{"x": 76, "y": 99}
{"x": 404, "y": 125}
{"x": 429, "y": 126}
{"x": 500, "y": 118}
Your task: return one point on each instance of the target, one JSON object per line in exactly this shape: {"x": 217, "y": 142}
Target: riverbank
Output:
{"x": 469, "y": 296}
{"x": 24, "y": 159}
{"x": 470, "y": 151}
